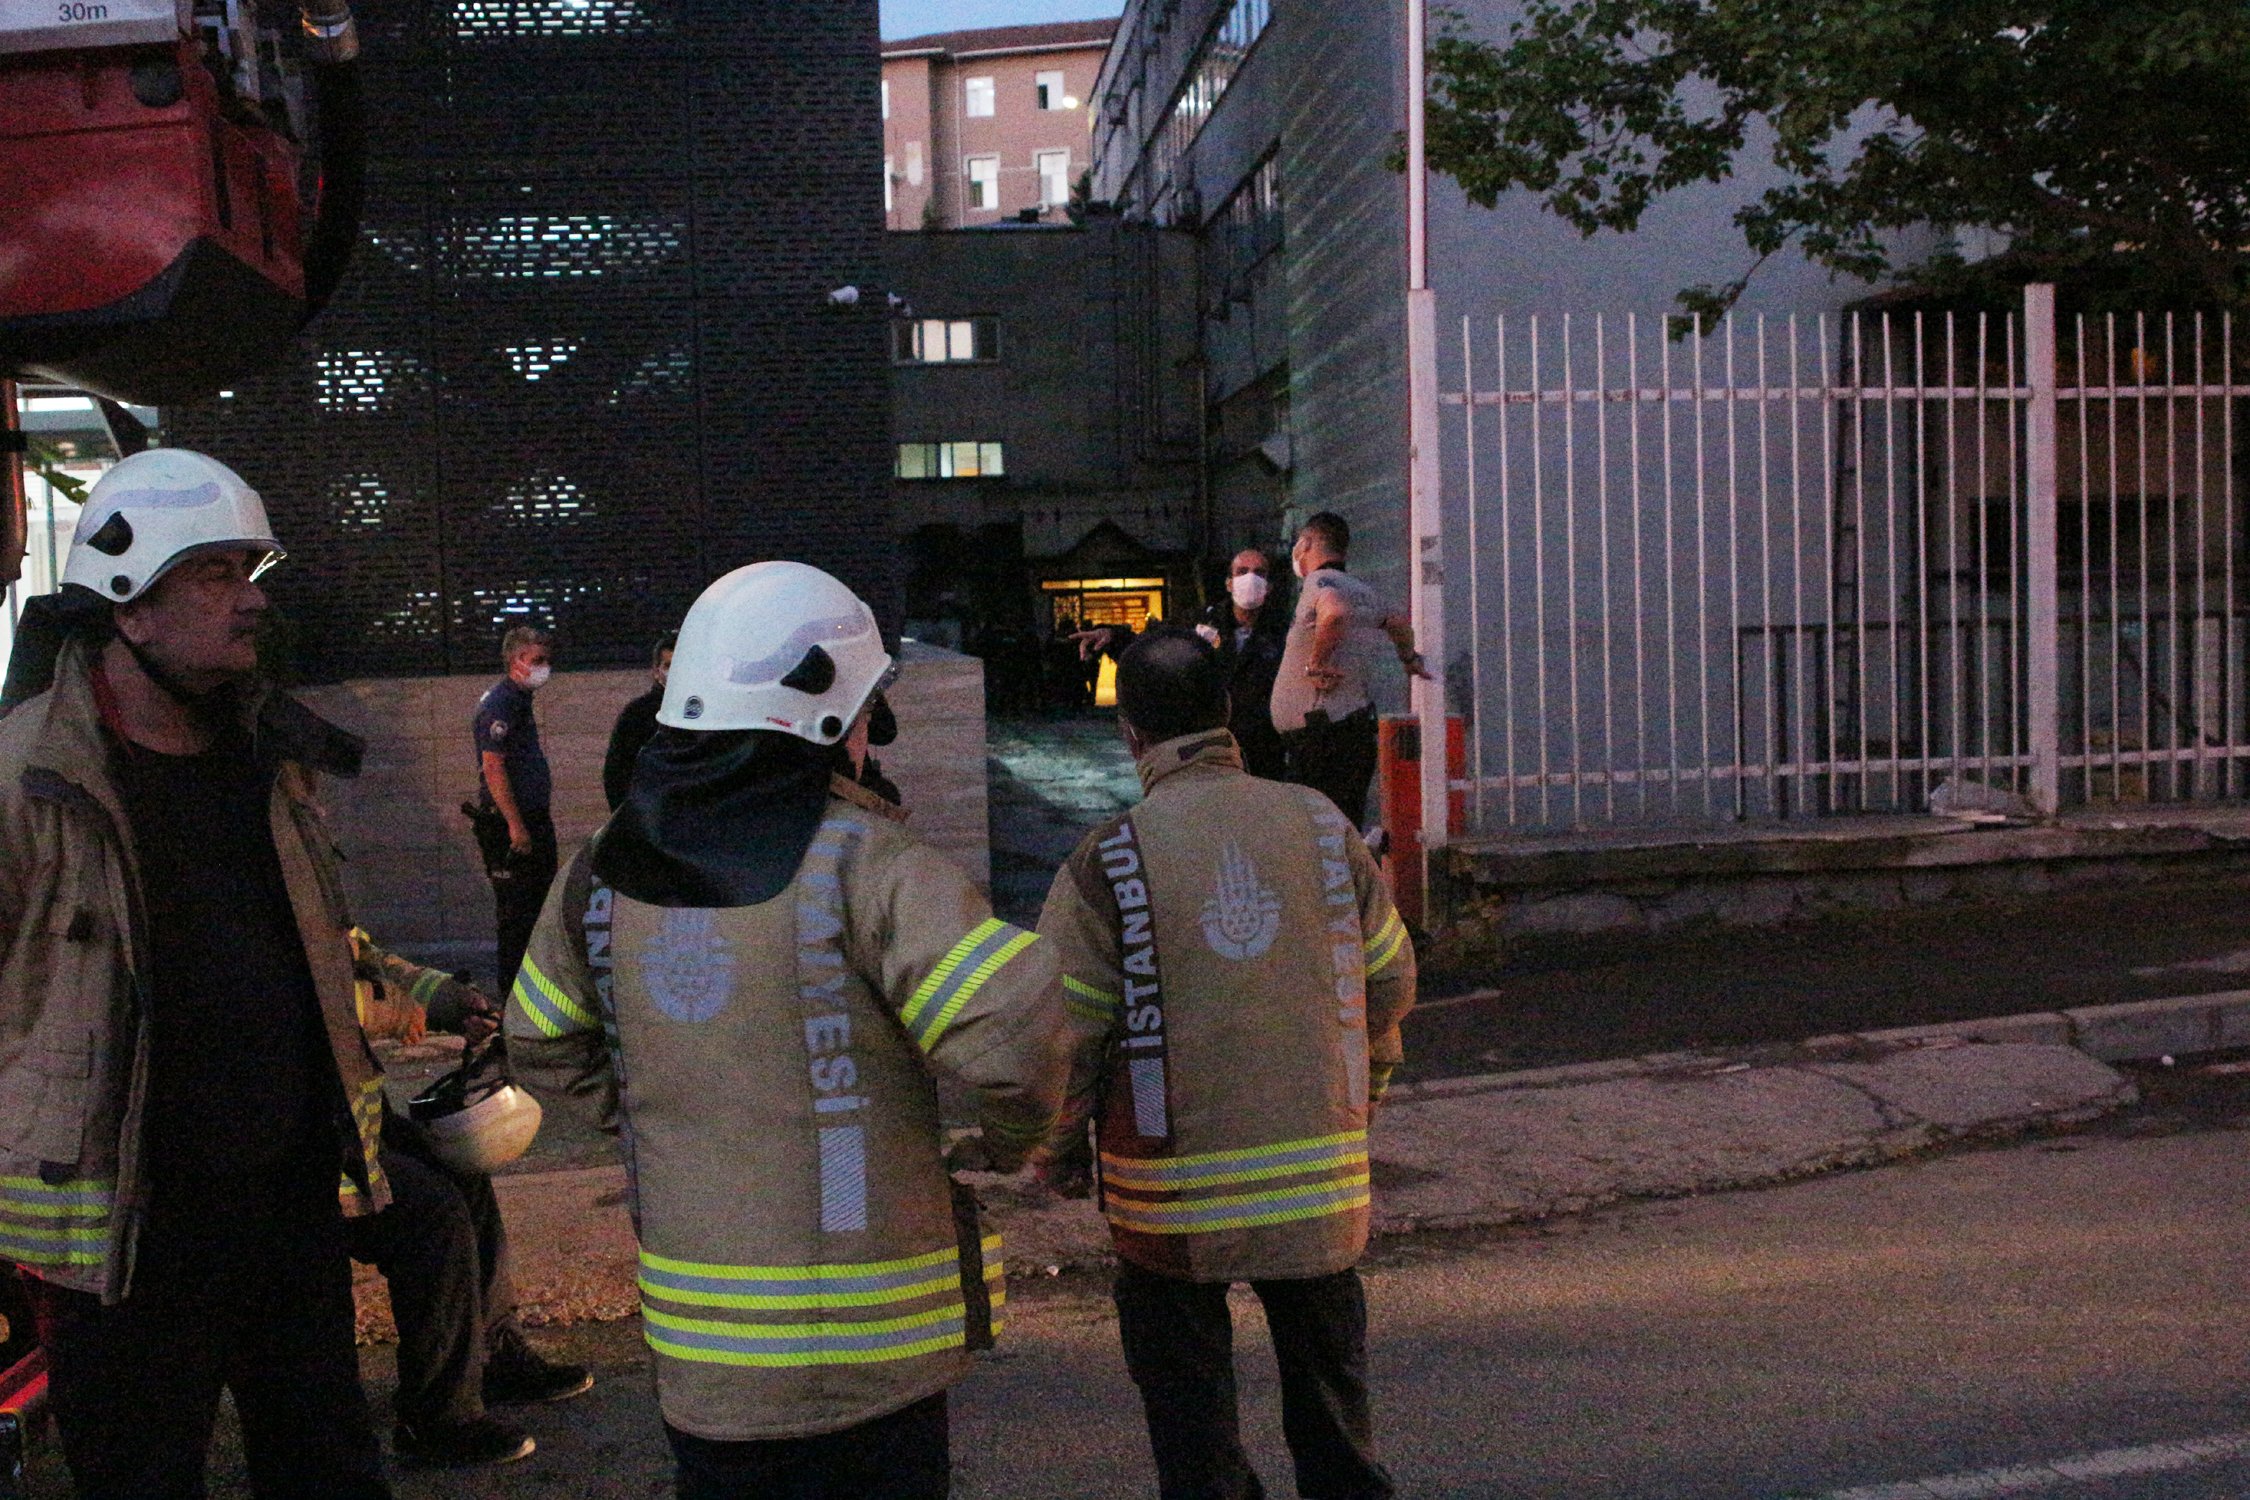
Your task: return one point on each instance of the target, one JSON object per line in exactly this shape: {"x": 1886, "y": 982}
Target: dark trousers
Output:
{"x": 254, "y": 1297}
{"x": 519, "y": 889}
{"x": 1179, "y": 1347}
{"x": 905, "y": 1455}
{"x": 1336, "y": 757}
{"x": 444, "y": 1252}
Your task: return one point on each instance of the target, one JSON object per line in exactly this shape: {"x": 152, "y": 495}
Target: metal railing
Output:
{"x": 1799, "y": 566}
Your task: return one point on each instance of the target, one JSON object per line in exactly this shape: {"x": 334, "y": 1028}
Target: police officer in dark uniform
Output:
{"x": 516, "y": 793}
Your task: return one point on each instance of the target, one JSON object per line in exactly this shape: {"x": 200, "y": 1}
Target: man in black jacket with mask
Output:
{"x": 1249, "y": 628}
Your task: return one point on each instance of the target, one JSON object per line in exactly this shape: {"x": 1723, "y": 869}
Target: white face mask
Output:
{"x": 536, "y": 678}
{"x": 1249, "y": 589}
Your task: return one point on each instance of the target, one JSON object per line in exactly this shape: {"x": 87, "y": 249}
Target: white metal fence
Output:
{"x": 1791, "y": 567}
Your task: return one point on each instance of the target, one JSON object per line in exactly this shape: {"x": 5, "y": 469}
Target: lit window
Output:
{"x": 946, "y": 341}
{"x": 984, "y": 182}
{"x": 977, "y": 98}
{"x": 954, "y": 460}
{"x": 1054, "y": 177}
{"x": 1050, "y": 90}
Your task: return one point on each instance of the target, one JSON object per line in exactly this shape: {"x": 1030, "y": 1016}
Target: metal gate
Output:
{"x": 1802, "y": 566}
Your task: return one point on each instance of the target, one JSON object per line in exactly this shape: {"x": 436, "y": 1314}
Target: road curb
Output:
{"x": 1502, "y": 1148}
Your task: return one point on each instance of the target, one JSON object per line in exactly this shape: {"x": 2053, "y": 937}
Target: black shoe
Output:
{"x": 480, "y": 1440}
{"x": 515, "y": 1374}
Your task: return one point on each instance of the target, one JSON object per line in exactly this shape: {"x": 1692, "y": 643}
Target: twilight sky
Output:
{"x": 917, "y": 17}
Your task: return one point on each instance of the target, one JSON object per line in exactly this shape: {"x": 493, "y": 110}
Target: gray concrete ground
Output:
{"x": 2058, "y": 1317}
{"x": 1049, "y": 781}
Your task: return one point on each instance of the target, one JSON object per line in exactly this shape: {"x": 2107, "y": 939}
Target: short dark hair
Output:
{"x": 1334, "y": 531}
{"x": 1169, "y": 684}
{"x": 668, "y": 641}
{"x": 523, "y": 638}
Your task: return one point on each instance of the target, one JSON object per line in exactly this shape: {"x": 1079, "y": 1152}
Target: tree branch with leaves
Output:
{"x": 2085, "y": 132}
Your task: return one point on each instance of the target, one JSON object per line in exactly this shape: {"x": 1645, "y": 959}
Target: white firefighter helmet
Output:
{"x": 476, "y": 1124}
{"x": 153, "y": 509}
{"x": 778, "y": 646}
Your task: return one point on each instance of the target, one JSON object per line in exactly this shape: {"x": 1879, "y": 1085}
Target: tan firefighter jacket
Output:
{"x": 74, "y": 1032}
{"x": 804, "y": 1265}
{"x": 1235, "y": 975}
{"x": 402, "y": 1001}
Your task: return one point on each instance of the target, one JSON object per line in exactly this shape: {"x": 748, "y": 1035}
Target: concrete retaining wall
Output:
{"x": 1493, "y": 892}
{"x": 412, "y": 869}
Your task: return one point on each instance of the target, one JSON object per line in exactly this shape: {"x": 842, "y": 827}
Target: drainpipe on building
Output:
{"x": 1425, "y": 515}
{"x": 15, "y": 516}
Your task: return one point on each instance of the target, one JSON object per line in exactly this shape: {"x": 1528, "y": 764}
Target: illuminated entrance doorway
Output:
{"x": 1131, "y": 602}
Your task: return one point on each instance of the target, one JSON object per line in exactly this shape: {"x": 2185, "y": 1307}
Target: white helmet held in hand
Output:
{"x": 476, "y": 1124}
{"x": 155, "y": 508}
{"x": 778, "y": 646}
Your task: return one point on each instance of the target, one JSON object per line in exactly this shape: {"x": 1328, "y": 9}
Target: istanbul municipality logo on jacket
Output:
{"x": 1243, "y": 918}
{"x": 687, "y": 967}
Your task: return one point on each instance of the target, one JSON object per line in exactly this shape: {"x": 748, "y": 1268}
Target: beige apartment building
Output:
{"x": 980, "y": 126}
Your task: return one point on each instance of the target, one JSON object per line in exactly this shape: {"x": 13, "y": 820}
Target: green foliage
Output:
{"x": 46, "y": 461}
{"x": 2090, "y": 133}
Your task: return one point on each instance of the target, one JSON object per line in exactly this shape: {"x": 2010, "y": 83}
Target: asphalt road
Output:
{"x": 1574, "y": 1000}
{"x": 1562, "y": 1000}
{"x": 1955, "y": 1326}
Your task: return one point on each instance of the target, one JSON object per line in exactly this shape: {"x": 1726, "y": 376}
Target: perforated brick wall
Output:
{"x": 583, "y": 361}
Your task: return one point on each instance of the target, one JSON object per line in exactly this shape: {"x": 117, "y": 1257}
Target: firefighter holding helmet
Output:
{"x": 765, "y": 974}
{"x": 183, "y": 1083}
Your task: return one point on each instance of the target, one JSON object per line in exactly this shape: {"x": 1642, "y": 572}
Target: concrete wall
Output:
{"x": 412, "y": 869}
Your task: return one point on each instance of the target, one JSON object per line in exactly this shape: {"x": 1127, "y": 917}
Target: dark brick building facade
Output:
{"x": 1046, "y": 387}
{"x": 584, "y": 360}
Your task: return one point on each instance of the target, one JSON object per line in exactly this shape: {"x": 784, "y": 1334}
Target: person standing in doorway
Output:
{"x": 514, "y": 782}
{"x": 636, "y": 724}
{"x": 1321, "y": 702}
{"x": 193, "y": 1111}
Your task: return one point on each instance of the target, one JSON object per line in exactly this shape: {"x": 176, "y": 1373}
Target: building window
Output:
{"x": 1224, "y": 49}
{"x": 977, "y": 97}
{"x": 1050, "y": 89}
{"x": 984, "y": 182}
{"x": 1054, "y": 177}
{"x": 914, "y": 163}
{"x": 958, "y": 460}
{"x": 1241, "y": 235}
{"x": 946, "y": 341}
{"x": 889, "y": 198}
{"x": 886, "y": 98}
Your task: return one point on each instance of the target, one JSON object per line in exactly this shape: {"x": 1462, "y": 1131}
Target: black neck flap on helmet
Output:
{"x": 718, "y": 818}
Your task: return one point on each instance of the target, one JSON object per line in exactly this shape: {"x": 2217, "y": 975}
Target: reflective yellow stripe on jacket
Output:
{"x": 959, "y": 975}
{"x": 1246, "y": 1188}
{"x": 1091, "y": 1003}
{"x": 55, "y": 1224}
{"x": 889, "y": 1326}
{"x": 550, "y": 1009}
{"x": 1383, "y": 945}
{"x": 367, "y": 1119}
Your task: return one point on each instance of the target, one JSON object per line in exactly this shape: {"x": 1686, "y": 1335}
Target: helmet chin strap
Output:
{"x": 179, "y": 692}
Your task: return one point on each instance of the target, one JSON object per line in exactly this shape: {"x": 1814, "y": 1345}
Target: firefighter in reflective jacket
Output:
{"x": 1235, "y": 976}
{"x": 764, "y": 973}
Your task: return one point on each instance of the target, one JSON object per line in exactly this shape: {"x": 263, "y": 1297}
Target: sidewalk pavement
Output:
{"x": 1519, "y": 1147}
